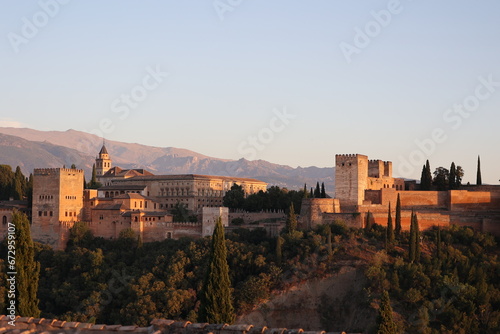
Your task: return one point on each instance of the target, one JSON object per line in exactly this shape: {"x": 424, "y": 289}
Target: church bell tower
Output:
{"x": 102, "y": 162}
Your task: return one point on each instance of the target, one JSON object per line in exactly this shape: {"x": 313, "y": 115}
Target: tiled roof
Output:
{"x": 108, "y": 207}
{"x": 28, "y": 325}
{"x": 118, "y": 172}
{"x": 103, "y": 150}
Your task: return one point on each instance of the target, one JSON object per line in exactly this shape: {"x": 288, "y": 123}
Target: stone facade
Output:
{"x": 57, "y": 203}
{"x": 354, "y": 174}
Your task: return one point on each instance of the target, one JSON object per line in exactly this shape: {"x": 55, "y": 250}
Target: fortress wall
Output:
{"x": 426, "y": 220}
{"x": 249, "y": 217}
{"x": 463, "y": 200}
{"x": 415, "y": 199}
{"x": 154, "y": 231}
{"x": 312, "y": 210}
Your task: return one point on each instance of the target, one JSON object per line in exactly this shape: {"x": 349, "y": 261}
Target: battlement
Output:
{"x": 350, "y": 155}
{"x": 55, "y": 171}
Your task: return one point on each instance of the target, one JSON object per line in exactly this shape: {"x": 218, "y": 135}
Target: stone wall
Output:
{"x": 463, "y": 200}
{"x": 250, "y": 217}
{"x": 312, "y": 210}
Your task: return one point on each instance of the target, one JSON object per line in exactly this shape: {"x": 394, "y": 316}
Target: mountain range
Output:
{"x": 29, "y": 149}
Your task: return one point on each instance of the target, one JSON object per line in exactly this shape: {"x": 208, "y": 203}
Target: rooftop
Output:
{"x": 28, "y": 325}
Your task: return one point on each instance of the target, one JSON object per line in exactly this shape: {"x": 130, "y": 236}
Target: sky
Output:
{"x": 290, "y": 82}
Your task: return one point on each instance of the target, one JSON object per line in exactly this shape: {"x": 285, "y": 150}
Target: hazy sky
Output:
{"x": 291, "y": 82}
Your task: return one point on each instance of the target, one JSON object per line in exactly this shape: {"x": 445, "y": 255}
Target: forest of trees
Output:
{"x": 444, "y": 179}
{"x": 444, "y": 280}
{"x": 275, "y": 198}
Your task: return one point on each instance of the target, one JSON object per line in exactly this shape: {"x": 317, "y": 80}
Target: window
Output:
{"x": 45, "y": 213}
{"x": 4, "y": 220}
{"x": 39, "y": 213}
{"x": 101, "y": 217}
{"x": 51, "y": 213}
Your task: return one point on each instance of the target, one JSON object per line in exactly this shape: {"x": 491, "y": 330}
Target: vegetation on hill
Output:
{"x": 13, "y": 184}
{"x": 452, "y": 286}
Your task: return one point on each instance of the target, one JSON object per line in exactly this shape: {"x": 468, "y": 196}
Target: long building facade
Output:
{"x": 129, "y": 198}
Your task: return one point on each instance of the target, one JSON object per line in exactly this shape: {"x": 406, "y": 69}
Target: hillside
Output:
{"x": 30, "y": 149}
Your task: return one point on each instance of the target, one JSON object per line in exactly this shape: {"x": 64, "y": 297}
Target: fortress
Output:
{"x": 363, "y": 186}
{"x": 137, "y": 199}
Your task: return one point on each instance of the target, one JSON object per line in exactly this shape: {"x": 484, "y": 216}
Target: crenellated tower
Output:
{"x": 351, "y": 176}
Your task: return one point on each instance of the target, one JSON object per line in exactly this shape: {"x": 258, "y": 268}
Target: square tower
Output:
{"x": 57, "y": 199}
{"x": 351, "y": 177}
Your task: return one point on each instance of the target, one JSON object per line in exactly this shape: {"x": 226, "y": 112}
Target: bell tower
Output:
{"x": 102, "y": 162}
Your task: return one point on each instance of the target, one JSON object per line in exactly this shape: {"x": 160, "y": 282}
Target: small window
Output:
{"x": 45, "y": 213}
{"x": 39, "y": 213}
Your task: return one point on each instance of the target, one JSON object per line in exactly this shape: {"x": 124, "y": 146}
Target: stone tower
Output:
{"x": 351, "y": 177}
{"x": 57, "y": 204}
{"x": 102, "y": 162}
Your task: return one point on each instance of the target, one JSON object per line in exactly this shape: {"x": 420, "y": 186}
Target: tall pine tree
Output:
{"x": 426, "y": 178}
{"x": 291, "y": 220}
{"x": 390, "y": 230}
{"x": 479, "y": 180}
{"x": 397, "y": 229}
{"x": 317, "y": 191}
{"x": 368, "y": 222}
{"x": 216, "y": 302}
{"x": 28, "y": 270}
{"x": 452, "y": 178}
{"x": 385, "y": 321}
{"x": 413, "y": 239}
{"x": 323, "y": 192}
{"x": 417, "y": 239}
{"x": 306, "y": 193}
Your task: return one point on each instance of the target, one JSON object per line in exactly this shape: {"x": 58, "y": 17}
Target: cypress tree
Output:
{"x": 413, "y": 236}
{"x": 216, "y": 302}
{"x": 93, "y": 180}
{"x": 385, "y": 321}
{"x": 28, "y": 270}
{"x": 279, "y": 250}
{"x": 311, "y": 194}
{"x": 422, "y": 178}
{"x": 479, "y": 180}
{"x": 390, "y": 230}
{"x": 438, "y": 243}
{"x": 398, "y": 217}
{"x": 417, "y": 239}
{"x": 329, "y": 248}
{"x": 452, "y": 178}
{"x": 426, "y": 178}
{"x": 317, "y": 191}
{"x": 368, "y": 222}
{"x": 306, "y": 193}
{"x": 323, "y": 192}
{"x": 291, "y": 220}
